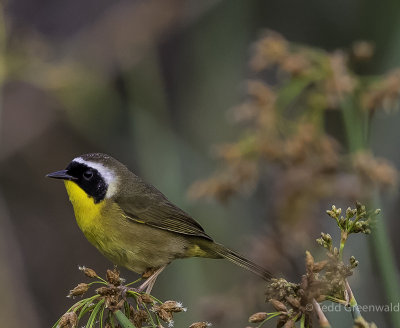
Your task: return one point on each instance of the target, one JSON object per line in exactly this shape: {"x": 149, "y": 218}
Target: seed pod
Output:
{"x": 88, "y": 272}
{"x": 113, "y": 277}
{"x": 107, "y": 291}
{"x": 279, "y": 306}
{"x": 309, "y": 261}
{"x": 68, "y": 320}
{"x": 165, "y": 315}
{"x": 139, "y": 317}
{"x": 258, "y": 317}
{"x": 293, "y": 301}
{"x": 79, "y": 290}
{"x": 145, "y": 298}
{"x": 102, "y": 291}
{"x": 172, "y": 306}
{"x": 162, "y": 314}
{"x": 319, "y": 266}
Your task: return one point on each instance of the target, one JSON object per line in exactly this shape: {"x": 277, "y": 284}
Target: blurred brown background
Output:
{"x": 150, "y": 83}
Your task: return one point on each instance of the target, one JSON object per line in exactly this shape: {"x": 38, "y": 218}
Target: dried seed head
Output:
{"x": 363, "y": 50}
{"x": 88, "y": 272}
{"x": 68, "y": 320}
{"x": 173, "y": 306}
{"x": 139, "y": 317}
{"x": 319, "y": 266}
{"x": 145, "y": 298}
{"x": 102, "y": 291}
{"x": 304, "y": 282}
{"x": 279, "y": 306}
{"x": 108, "y": 291}
{"x": 162, "y": 313}
{"x": 309, "y": 262}
{"x": 113, "y": 277}
{"x": 203, "y": 324}
{"x": 293, "y": 301}
{"x": 258, "y": 317}
{"x": 79, "y": 290}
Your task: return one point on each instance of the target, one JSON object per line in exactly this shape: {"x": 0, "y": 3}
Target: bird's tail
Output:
{"x": 241, "y": 261}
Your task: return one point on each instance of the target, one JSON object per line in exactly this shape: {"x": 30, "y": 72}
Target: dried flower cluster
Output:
{"x": 114, "y": 300}
{"x": 286, "y": 148}
{"x": 286, "y": 124}
{"x": 383, "y": 93}
{"x": 325, "y": 280}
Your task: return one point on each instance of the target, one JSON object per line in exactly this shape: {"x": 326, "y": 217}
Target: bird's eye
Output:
{"x": 87, "y": 175}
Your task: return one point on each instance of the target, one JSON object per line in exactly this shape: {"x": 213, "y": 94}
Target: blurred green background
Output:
{"x": 150, "y": 83}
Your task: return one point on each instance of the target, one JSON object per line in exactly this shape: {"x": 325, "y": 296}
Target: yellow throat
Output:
{"x": 87, "y": 213}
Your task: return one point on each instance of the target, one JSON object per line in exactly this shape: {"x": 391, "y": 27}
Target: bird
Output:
{"x": 133, "y": 224}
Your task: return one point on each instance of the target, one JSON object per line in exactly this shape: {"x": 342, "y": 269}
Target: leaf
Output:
{"x": 123, "y": 320}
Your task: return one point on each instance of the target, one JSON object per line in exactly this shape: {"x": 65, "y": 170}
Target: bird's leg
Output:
{"x": 149, "y": 283}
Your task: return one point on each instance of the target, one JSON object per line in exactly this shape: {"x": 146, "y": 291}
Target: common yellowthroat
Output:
{"x": 132, "y": 223}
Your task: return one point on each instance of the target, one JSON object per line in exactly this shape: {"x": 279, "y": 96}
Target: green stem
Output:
{"x": 149, "y": 314}
{"x": 356, "y": 125}
{"x": 2, "y": 54}
{"x": 97, "y": 282}
{"x": 343, "y": 240}
{"x": 95, "y": 312}
{"x": 355, "y": 311}
{"x": 102, "y": 280}
{"x": 384, "y": 256}
{"x": 335, "y": 300}
{"x": 123, "y": 320}
{"x": 303, "y": 321}
{"x": 269, "y": 316}
{"x": 134, "y": 282}
{"x": 101, "y": 316}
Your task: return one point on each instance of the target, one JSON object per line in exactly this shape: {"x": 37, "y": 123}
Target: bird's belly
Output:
{"x": 135, "y": 246}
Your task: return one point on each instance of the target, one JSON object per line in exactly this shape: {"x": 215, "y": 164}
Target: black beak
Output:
{"x": 61, "y": 175}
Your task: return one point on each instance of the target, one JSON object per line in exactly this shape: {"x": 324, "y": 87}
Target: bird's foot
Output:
{"x": 148, "y": 273}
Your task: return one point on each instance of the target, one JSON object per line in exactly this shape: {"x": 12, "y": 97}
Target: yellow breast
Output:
{"x": 87, "y": 213}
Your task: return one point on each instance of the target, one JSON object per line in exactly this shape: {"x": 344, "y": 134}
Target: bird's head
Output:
{"x": 97, "y": 174}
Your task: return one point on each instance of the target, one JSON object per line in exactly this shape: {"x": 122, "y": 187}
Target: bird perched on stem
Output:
{"x": 132, "y": 223}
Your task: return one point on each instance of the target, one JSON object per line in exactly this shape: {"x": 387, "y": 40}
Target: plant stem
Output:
{"x": 343, "y": 239}
{"x": 355, "y": 311}
{"x": 302, "y": 321}
{"x": 356, "y": 126}
{"x": 123, "y": 320}
{"x": 384, "y": 255}
{"x": 323, "y": 321}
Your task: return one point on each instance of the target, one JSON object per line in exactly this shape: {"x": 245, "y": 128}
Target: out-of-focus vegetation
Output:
{"x": 153, "y": 83}
{"x": 288, "y": 144}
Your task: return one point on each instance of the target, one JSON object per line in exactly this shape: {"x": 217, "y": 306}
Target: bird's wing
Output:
{"x": 154, "y": 209}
